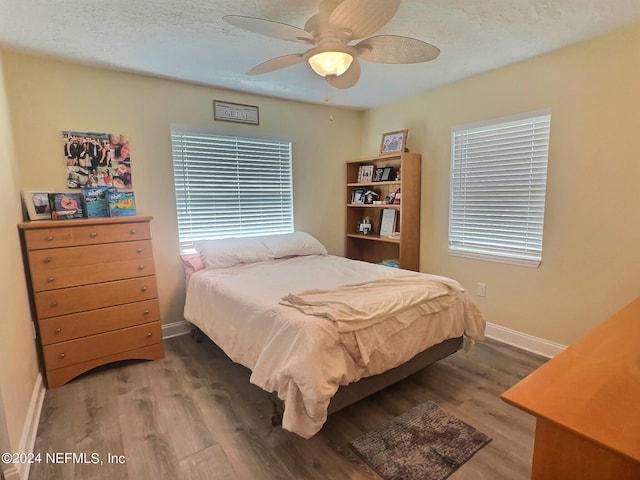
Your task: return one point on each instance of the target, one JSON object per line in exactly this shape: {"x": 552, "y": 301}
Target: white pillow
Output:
{"x": 226, "y": 252}
{"x": 290, "y": 244}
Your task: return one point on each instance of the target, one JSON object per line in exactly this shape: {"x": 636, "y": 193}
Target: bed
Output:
{"x": 320, "y": 330}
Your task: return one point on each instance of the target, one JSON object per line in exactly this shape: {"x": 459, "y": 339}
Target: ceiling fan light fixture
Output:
{"x": 330, "y": 63}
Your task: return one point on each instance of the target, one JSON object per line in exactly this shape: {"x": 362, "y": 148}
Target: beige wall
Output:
{"x": 18, "y": 360}
{"x": 47, "y": 96}
{"x": 591, "y": 259}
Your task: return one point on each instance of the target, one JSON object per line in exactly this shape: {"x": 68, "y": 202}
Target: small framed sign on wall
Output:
{"x": 235, "y": 112}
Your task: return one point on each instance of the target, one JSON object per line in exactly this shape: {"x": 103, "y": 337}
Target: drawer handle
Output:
{"x": 47, "y": 260}
{"x": 49, "y": 238}
{"x": 138, "y": 250}
{"x": 93, "y": 234}
{"x": 57, "y": 331}
{"x": 143, "y": 289}
{"x": 140, "y": 267}
{"x": 147, "y": 312}
{"x": 148, "y": 334}
{"x": 133, "y": 231}
{"x": 62, "y": 355}
{"x": 54, "y": 303}
{"x": 50, "y": 279}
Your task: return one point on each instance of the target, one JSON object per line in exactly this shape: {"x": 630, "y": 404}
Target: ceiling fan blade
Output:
{"x": 348, "y": 79}
{"x": 276, "y": 64}
{"x": 396, "y": 49}
{"x": 270, "y": 28}
{"x": 363, "y": 17}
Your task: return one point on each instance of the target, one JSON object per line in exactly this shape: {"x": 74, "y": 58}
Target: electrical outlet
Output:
{"x": 481, "y": 289}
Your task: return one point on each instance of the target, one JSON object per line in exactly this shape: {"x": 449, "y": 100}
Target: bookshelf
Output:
{"x": 372, "y": 247}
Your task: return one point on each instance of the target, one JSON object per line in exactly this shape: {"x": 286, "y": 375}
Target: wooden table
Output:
{"x": 586, "y": 401}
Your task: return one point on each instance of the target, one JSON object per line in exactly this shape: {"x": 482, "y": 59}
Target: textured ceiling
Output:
{"x": 188, "y": 40}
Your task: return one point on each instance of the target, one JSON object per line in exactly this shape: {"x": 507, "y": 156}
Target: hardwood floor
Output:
{"x": 194, "y": 415}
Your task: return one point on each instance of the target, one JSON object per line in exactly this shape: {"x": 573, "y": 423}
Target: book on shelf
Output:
{"x": 387, "y": 221}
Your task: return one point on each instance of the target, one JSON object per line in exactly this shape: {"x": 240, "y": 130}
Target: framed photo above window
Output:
{"x": 393, "y": 142}
{"x": 236, "y": 112}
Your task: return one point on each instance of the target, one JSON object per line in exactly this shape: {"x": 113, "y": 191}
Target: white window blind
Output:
{"x": 228, "y": 186}
{"x": 498, "y": 186}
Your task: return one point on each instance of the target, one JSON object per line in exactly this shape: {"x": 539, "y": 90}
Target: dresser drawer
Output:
{"x": 53, "y": 258}
{"x": 87, "y": 274}
{"x": 63, "y": 354}
{"x": 77, "y": 325}
{"x": 52, "y": 303}
{"x": 55, "y": 237}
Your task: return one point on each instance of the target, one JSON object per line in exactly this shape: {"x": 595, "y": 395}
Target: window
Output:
{"x": 498, "y": 185}
{"x": 229, "y": 186}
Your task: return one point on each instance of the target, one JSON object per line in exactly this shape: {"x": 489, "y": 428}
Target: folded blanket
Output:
{"x": 358, "y": 306}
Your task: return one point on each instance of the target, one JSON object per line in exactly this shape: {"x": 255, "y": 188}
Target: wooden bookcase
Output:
{"x": 372, "y": 247}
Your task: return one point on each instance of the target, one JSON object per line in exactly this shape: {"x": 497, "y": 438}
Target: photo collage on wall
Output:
{"x": 97, "y": 159}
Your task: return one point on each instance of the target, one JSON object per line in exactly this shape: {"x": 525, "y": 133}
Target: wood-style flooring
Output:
{"x": 194, "y": 415}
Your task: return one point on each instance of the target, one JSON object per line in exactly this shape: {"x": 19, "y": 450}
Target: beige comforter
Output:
{"x": 357, "y": 308}
{"x": 304, "y": 357}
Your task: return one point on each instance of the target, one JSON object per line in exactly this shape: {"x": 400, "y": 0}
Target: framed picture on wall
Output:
{"x": 36, "y": 201}
{"x": 393, "y": 142}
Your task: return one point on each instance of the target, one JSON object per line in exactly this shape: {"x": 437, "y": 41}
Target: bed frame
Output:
{"x": 354, "y": 392}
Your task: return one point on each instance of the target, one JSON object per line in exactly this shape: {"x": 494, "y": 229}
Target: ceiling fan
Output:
{"x": 330, "y": 34}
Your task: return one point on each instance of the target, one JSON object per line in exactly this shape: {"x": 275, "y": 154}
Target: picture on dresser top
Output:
{"x": 97, "y": 159}
{"x": 36, "y": 202}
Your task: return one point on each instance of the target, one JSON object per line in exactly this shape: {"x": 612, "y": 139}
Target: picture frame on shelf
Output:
{"x": 387, "y": 174}
{"x": 367, "y": 174}
{"x": 393, "y": 142}
{"x": 358, "y": 195}
{"x": 36, "y": 201}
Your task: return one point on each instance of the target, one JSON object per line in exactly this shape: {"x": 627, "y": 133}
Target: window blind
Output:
{"x": 498, "y": 186}
{"x": 228, "y": 186}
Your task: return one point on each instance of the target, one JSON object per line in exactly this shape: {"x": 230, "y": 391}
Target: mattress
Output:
{"x": 305, "y": 358}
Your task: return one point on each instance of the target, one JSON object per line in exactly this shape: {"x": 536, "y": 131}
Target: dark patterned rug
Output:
{"x": 425, "y": 443}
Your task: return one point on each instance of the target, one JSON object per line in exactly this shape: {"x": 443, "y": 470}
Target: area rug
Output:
{"x": 425, "y": 443}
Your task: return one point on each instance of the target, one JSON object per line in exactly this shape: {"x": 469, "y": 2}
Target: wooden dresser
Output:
{"x": 93, "y": 293}
{"x": 586, "y": 404}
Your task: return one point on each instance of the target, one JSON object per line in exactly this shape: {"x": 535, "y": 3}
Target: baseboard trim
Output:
{"x": 524, "y": 341}
{"x": 175, "y": 329}
{"x": 28, "y": 440}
